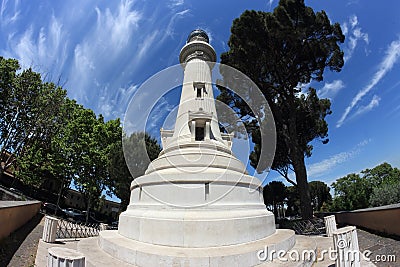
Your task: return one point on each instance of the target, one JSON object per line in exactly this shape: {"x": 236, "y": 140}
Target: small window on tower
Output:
{"x": 199, "y": 88}
{"x": 199, "y": 134}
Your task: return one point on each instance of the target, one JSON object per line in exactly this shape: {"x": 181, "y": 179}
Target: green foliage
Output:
{"x": 292, "y": 201}
{"x": 383, "y": 173}
{"x": 351, "y": 192}
{"x": 320, "y": 194}
{"x": 136, "y": 145}
{"x": 385, "y": 194}
{"x": 278, "y": 51}
{"x": 373, "y": 187}
{"x": 90, "y": 139}
{"x": 30, "y": 118}
{"x": 274, "y": 196}
{"x": 47, "y": 137}
{"x": 52, "y": 138}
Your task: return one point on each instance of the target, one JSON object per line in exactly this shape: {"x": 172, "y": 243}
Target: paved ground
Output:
{"x": 21, "y": 248}
{"x": 385, "y": 251}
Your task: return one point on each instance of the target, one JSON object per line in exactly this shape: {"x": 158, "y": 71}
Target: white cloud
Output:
{"x": 119, "y": 26}
{"x": 115, "y": 29}
{"x": 269, "y": 4}
{"x": 160, "y": 111}
{"x": 146, "y": 44}
{"x": 6, "y": 15}
{"x": 331, "y": 89}
{"x": 354, "y": 34}
{"x": 345, "y": 29}
{"x": 176, "y": 3}
{"x": 44, "y": 49}
{"x": 353, "y": 21}
{"x": 391, "y": 56}
{"x": 98, "y": 50}
{"x": 364, "y": 109}
{"x": 169, "y": 31}
{"x": 114, "y": 105}
{"x": 325, "y": 166}
{"x": 98, "y": 54}
{"x": 360, "y": 35}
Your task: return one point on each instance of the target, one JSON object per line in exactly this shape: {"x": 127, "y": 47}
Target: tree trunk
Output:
{"x": 299, "y": 167}
{"x": 302, "y": 186}
{"x": 275, "y": 209}
{"x": 88, "y": 210}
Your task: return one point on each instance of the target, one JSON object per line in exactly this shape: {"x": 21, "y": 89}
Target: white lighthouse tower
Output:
{"x": 195, "y": 205}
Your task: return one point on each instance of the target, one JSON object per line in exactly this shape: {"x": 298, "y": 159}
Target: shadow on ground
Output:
{"x": 10, "y": 244}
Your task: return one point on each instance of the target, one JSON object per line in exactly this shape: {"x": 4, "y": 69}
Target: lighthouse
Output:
{"x": 195, "y": 205}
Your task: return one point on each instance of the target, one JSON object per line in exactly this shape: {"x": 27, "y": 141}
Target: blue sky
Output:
{"x": 102, "y": 51}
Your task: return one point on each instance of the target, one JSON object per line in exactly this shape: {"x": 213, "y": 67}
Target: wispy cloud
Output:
{"x": 176, "y": 3}
{"x": 364, "y": 109}
{"x": 123, "y": 40}
{"x": 354, "y": 34}
{"x": 8, "y": 14}
{"x": 159, "y": 113}
{"x": 44, "y": 49}
{"x": 169, "y": 31}
{"x": 391, "y": 56}
{"x": 117, "y": 27}
{"x": 269, "y": 4}
{"x": 325, "y": 166}
{"x": 101, "y": 53}
{"x": 101, "y": 56}
{"x": 394, "y": 112}
{"x": 331, "y": 89}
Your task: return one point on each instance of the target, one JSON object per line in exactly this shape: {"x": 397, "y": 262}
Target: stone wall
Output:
{"x": 6, "y": 195}
{"x": 14, "y": 214}
{"x": 384, "y": 219}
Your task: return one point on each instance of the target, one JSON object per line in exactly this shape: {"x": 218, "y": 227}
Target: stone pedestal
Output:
{"x": 345, "y": 242}
{"x": 65, "y": 257}
{"x": 139, "y": 253}
{"x": 330, "y": 225}
{"x": 50, "y": 229}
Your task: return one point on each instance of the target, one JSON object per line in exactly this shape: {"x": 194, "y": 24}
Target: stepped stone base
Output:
{"x": 144, "y": 254}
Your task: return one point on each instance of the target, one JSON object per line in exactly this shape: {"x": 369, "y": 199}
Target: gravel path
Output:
{"x": 19, "y": 249}
{"x": 385, "y": 251}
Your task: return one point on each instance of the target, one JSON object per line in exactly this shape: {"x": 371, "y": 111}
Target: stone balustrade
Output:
{"x": 345, "y": 242}
{"x": 103, "y": 226}
{"x": 330, "y": 225}
{"x": 50, "y": 229}
{"x": 65, "y": 257}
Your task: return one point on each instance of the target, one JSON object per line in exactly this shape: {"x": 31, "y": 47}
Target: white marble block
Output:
{"x": 330, "y": 225}
{"x": 345, "y": 242}
{"x": 65, "y": 257}
{"x": 50, "y": 229}
{"x": 103, "y": 226}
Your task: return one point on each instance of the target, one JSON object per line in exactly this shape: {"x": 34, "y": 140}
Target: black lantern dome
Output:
{"x": 198, "y": 34}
